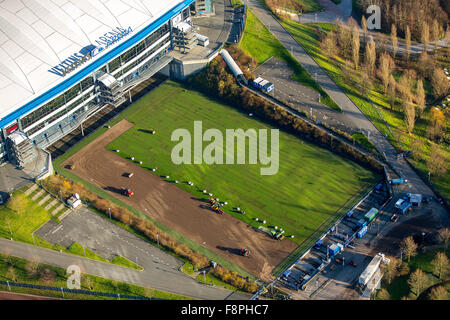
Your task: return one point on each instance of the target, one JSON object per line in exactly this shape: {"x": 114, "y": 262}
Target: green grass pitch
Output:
{"x": 311, "y": 185}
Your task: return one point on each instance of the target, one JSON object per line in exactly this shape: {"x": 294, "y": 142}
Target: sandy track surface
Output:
{"x": 176, "y": 208}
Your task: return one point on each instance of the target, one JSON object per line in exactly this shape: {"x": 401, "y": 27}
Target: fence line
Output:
{"x": 75, "y": 291}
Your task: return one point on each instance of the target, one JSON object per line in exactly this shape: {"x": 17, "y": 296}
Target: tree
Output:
{"x": 425, "y": 35}
{"x": 408, "y": 42}
{"x": 417, "y": 281}
{"x": 385, "y": 69}
{"x": 426, "y": 65}
{"x": 437, "y": 164}
{"x": 392, "y": 89}
{"x": 444, "y": 236}
{"x": 439, "y": 83}
{"x": 408, "y": 247}
{"x": 390, "y": 270}
{"x": 355, "y": 46}
{"x": 438, "y": 293}
{"x": 435, "y": 34}
{"x": 436, "y": 124}
{"x": 364, "y": 26}
{"x": 417, "y": 148}
{"x": 394, "y": 40}
{"x": 440, "y": 265}
{"x": 329, "y": 45}
{"x": 11, "y": 274}
{"x": 383, "y": 294}
{"x": 420, "y": 97}
{"x": 410, "y": 115}
{"x": 370, "y": 56}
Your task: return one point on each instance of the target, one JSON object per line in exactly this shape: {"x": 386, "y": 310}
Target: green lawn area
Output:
{"x": 88, "y": 282}
{"x": 311, "y": 185}
{"x": 260, "y": 44}
{"x": 209, "y": 279}
{"x": 310, "y": 5}
{"x": 399, "y": 287}
{"x": 20, "y": 227}
{"x": 389, "y": 122}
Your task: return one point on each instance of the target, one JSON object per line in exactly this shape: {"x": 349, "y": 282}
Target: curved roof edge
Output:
{"x": 120, "y": 48}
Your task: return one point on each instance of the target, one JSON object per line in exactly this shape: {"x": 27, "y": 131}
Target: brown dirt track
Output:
{"x": 176, "y": 208}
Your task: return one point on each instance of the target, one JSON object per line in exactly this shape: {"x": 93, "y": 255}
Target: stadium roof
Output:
{"x": 38, "y": 35}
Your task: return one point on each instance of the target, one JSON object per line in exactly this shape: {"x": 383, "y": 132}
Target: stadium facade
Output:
{"x": 63, "y": 60}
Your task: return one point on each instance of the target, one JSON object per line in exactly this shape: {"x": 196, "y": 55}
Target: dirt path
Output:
{"x": 17, "y": 296}
{"x": 176, "y": 208}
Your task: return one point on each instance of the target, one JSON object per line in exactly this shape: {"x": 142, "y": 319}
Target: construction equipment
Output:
{"x": 244, "y": 252}
{"x": 127, "y": 192}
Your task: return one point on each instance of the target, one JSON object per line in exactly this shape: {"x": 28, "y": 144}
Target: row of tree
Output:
{"x": 418, "y": 280}
{"x": 407, "y": 95}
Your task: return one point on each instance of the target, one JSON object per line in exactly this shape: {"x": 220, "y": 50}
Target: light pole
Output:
{"x": 32, "y": 235}
{"x": 157, "y": 238}
{"x": 109, "y": 210}
{"x": 204, "y": 276}
{"x": 423, "y": 238}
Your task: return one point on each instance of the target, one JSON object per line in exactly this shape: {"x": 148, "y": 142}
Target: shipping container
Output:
{"x": 333, "y": 249}
{"x": 362, "y": 232}
{"x": 370, "y": 215}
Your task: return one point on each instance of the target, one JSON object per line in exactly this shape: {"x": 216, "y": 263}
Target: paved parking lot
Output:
{"x": 300, "y": 97}
{"x": 104, "y": 238}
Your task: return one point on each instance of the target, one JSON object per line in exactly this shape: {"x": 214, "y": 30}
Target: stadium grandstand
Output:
{"x": 61, "y": 61}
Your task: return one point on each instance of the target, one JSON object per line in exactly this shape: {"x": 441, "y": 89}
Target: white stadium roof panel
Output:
{"x": 37, "y": 35}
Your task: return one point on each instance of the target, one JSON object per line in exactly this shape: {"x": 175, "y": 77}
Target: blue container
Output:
{"x": 362, "y": 232}
{"x": 361, "y": 223}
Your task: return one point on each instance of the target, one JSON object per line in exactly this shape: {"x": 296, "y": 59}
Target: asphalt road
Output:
{"x": 161, "y": 270}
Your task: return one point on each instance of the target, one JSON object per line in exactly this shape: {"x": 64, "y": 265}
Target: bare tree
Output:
{"x": 17, "y": 203}
{"x": 408, "y": 42}
{"x": 390, "y": 270}
{"x": 444, "y": 236}
{"x": 440, "y": 265}
{"x": 425, "y": 35}
{"x": 355, "y": 46}
{"x": 435, "y": 34}
{"x": 11, "y": 274}
{"x": 439, "y": 82}
{"x": 392, "y": 90}
{"x": 370, "y": 56}
{"x": 410, "y": 115}
{"x": 408, "y": 247}
{"x": 436, "y": 124}
{"x": 436, "y": 164}
{"x": 385, "y": 69}
{"x": 364, "y": 26}
{"x": 329, "y": 45}
{"x": 394, "y": 40}
{"x": 33, "y": 266}
{"x": 420, "y": 97}
{"x": 438, "y": 293}
{"x": 417, "y": 281}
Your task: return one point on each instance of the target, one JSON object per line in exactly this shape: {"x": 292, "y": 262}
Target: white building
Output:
{"x": 62, "y": 60}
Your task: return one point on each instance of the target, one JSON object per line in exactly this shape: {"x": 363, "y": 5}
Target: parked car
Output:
{"x": 352, "y": 264}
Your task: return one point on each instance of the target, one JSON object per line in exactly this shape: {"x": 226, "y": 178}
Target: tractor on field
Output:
{"x": 127, "y": 192}
{"x": 216, "y": 206}
{"x": 244, "y": 252}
